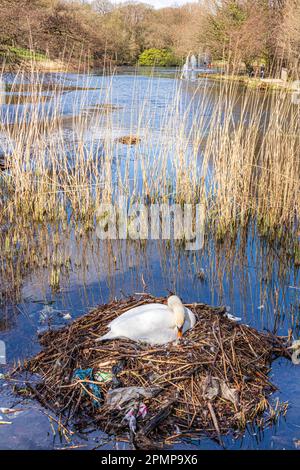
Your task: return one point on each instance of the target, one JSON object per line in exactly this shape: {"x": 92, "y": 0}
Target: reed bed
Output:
{"x": 234, "y": 150}
{"x": 213, "y": 382}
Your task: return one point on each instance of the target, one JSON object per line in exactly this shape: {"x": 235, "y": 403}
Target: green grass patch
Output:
{"x": 24, "y": 54}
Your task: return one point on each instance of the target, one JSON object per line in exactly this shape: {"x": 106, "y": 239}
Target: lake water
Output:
{"x": 253, "y": 277}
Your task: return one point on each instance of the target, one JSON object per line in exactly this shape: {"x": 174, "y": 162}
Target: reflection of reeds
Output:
{"x": 35, "y": 257}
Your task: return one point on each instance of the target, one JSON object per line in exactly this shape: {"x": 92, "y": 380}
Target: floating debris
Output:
{"x": 12, "y": 412}
{"x": 232, "y": 317}
{"x": 105, "y": 107}
{"x": 67, "y": 316}
{"x": 201, "y": 274}
{"x": 214, "y": 381}
{"x": 119, "y": 396}
{"x": 296, "y": 354}
{"x": 103, "y": 377}
{"x": 129, "y": 140}
{"x": 296, "y": 443}
{"x": 48, "y": 314}
{"x": 85, "y": 377}
{"x": 3, "y": 164}
{"x": 133, "y": 414}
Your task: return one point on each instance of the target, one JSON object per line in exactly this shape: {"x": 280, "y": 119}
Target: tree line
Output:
{"x": 239, "y": 31}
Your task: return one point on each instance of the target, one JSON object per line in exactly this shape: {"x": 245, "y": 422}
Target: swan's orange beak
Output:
{"x": 179, "y": 333}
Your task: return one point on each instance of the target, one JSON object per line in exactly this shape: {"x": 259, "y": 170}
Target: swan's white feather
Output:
{"x": 150, "y": 323}
{"x": 140, "y": 310}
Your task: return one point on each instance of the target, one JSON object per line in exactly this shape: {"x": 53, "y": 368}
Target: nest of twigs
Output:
{"x": 214, "y": 381}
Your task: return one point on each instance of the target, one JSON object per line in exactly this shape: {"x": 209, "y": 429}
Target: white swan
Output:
{"x": 152, "y": 323}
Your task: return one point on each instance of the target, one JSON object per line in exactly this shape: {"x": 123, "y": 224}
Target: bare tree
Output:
{"x": 102, "y": 6}
{"x": 289, "y": 37}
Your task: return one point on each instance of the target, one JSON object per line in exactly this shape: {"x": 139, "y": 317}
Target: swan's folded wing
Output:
{"x": 159, "y": 337}
{"x": 140, "y": 310}
{"x": 190, "y": 320}
{"x": 145, "y": 321}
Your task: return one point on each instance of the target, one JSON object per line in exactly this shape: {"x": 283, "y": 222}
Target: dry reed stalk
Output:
{"x": 242, "y": 162}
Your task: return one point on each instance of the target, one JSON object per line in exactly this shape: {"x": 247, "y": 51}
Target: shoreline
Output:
{"x": 258, "y": 83}
{"x": 37, "y": 66}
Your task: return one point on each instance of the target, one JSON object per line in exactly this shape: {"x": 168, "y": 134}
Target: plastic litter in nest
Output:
{"x": 213, "y": 382}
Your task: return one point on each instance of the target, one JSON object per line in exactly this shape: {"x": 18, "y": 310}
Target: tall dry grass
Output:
{"x": 235, "y": 150}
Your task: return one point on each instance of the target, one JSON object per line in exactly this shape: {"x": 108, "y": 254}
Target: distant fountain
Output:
{"x": 193, "y": 62}
{"x": 189, "y": 68}
{"x": 2, "y": 92}
{"x": 186, "y": 68}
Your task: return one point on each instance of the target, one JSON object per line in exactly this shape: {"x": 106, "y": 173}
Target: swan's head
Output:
{"x": 175, "y": 304}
